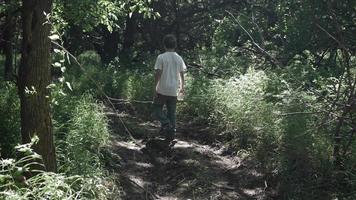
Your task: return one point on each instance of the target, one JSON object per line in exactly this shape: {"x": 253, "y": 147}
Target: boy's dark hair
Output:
{"x": 170, "y": 41}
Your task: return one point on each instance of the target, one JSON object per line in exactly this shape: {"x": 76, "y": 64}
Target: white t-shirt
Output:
{"x": 171, "y": 64}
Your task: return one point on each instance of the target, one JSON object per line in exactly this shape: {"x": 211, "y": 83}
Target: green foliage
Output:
{"x": 114, "y": 80}
{"x": 305, "y": 154}
{"x": 14, "y": 183}
{"x": 88, "y": 14}
{"x": 296, "y": 151}
{"x": 237, "y": 106}
{"x": 88, "y": 132}
{"x": 285, "y": 115}
{"x": 90, "y": 77}
{"x": 226, "y": 34}
{"x": 82, "y": 130}
{"x": 222, "y": 62}
{"x": 118, "y": 80}
{"x": 133, "y": 85}
{"x": 277, "y": 120}
{"x": 9, "y": 119}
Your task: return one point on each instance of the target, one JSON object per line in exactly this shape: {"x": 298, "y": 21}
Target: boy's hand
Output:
{"x": 181, "y": 90}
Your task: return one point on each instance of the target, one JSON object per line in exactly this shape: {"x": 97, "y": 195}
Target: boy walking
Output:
{"x": 169, "y": 77}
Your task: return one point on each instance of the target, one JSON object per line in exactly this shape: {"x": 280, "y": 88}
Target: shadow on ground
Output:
{"x": 192, "y": 170}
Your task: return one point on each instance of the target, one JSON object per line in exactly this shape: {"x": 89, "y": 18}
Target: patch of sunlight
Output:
{"x": 115, "y": 114}
{"x": 183, "y": 144}
{"x": 129, "y": 88}
{"x": 191, "y": 162}
{"x": 144, "y": 165}
{"x": 223, "y": 184}
{"x": 168, "y": 198}
{"x": 153, "y": 124}
{"x": 255, "y": 173}
{"x": 253, "y": 192}
{"x": 128, "y": 145}
{"x": 139, "y": 181}
{"x": 225, "y": 163}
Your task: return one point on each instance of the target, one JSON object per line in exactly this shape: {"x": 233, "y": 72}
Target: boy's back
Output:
{"x": 170, "y": 64}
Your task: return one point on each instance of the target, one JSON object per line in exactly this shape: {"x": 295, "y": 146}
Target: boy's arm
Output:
{"x": 181, "y": 82}
{"x": 158, "y": 74}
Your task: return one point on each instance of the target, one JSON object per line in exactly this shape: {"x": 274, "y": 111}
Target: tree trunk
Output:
{"x": 34, "y": 77}
{"x": 177, "y": 23}
{"x": 9, "y": 29}
{"x": 109, "y": 50}
{"x": 129, "y": 34}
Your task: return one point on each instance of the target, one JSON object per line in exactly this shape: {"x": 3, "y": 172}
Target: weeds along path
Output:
{"x": 194, "y": 170}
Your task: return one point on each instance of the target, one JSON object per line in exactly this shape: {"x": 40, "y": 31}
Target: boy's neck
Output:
{"x": 170, "y": 50}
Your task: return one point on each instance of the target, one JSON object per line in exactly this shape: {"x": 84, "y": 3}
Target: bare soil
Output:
{"x": 192, "y": 169}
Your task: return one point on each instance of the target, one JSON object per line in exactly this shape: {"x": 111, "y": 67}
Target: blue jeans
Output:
{"x": 167, "y": 120}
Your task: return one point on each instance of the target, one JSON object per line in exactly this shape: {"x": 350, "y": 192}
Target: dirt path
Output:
{"x": 194, "y": 170}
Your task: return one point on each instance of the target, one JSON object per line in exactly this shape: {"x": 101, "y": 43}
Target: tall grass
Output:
{"x": 83, "y": 130}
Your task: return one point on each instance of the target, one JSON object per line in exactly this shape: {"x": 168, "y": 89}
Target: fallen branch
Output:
{"x": 123, "y": 101}
{"x": 200, "y": 68}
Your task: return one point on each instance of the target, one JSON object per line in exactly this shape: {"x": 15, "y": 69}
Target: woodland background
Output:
{"x": 275, "y": 79}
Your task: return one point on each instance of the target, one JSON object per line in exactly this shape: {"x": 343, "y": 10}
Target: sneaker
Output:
{"x": 169, "y": 135}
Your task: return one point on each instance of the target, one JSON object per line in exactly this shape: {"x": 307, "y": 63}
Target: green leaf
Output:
{"x": 57, "y": 64}
{"x": 53, "y": 37}
{"x": 69, "y": 86}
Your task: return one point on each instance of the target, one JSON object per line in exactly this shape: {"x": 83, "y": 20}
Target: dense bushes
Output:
{"x": 304, "y": 163}
{"x": 236, "y": 106}
{"x": 118, "y": 79}
{"x": 127, "y": 82}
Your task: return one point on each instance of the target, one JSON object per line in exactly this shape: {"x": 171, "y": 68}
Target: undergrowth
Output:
{"x": 268, "y": 114}
{"x": 81, "y": 133}
{"x": 9, "y": 119}
{"x": 19, "y": 180}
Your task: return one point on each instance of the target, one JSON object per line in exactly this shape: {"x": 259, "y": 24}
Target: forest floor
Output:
{"x": 198, "y": 167}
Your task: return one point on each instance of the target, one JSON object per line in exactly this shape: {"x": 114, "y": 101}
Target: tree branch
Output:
{"x": 264, "y": 52}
